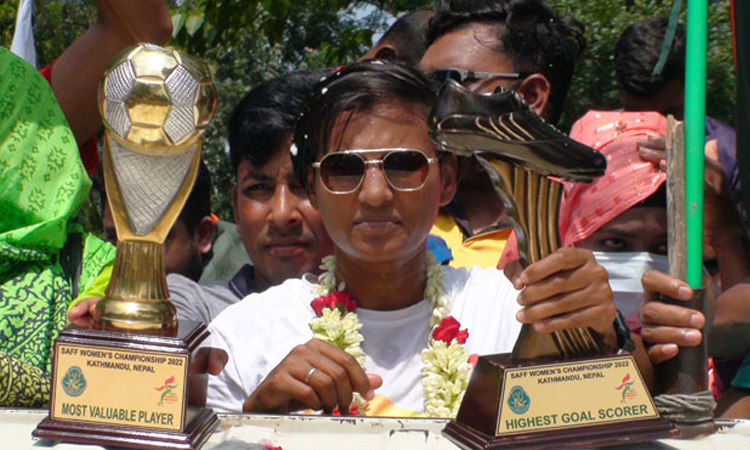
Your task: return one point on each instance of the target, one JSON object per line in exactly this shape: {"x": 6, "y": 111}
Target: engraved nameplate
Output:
{"x": 574, "y": 394}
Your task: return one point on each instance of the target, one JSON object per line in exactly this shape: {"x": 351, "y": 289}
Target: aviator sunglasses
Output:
{"x": 469, "y": 77}
{"x": 405, "y": 169}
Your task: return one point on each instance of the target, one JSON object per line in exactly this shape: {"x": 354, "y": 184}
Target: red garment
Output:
{"x": 628, "y": 181}
{"x": 89, "y": 150}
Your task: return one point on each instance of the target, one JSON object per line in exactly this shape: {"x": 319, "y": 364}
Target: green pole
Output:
{"x": 695, "y": 130}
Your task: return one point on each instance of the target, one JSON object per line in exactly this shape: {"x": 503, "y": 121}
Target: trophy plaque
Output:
{"x": 555, "y": 390}
{"x": 125, "y": 382}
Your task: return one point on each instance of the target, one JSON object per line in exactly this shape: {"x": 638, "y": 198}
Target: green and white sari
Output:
{"x": 45, "y": 258}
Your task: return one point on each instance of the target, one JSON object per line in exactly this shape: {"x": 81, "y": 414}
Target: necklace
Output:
{"x": 446, "y": 363}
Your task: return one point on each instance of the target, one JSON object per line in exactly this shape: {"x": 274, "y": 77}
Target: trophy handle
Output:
{"x": 532, "y": 201}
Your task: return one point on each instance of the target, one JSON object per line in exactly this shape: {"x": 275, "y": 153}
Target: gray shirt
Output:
{"x": 203, "y": 302}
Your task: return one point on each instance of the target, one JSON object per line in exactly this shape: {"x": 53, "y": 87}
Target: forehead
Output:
{"x": 475, "y": 46}
{"x": 280, "y": 160}
{"x": 388, "y": 125}
{"x": 643, "y": 221}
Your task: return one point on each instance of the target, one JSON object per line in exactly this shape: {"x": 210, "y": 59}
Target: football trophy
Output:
{"x": 125, "y": 382}
{"x": 560, "y": 389}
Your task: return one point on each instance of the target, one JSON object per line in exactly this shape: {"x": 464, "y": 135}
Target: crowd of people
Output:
{"x": 362, "y": 257}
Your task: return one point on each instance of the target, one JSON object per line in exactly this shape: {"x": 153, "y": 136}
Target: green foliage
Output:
{"x": 594, "y": 83}
{"x": 395, "y": 7}
{"x": 7, "y": 23}
{"x": 56, "y": 25}
{"x": 262, "y": 40}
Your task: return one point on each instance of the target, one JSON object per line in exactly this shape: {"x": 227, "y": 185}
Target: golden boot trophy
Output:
{"x": 560, "y": 389}
{"x": 125, "y": 382}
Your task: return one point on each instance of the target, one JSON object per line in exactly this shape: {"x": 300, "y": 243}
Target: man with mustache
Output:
{"x": 281, "y": 232}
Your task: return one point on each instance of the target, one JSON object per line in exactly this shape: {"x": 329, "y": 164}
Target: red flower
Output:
{"x": 473, "y": 359}
{"x": 271, "y": 447}
{"x": 353, "y": 411}
{"x": 336, "y": 299}
{"x": 448, "y": 330}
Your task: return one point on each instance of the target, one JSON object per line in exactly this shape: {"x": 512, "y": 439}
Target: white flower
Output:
{"x": 446, "y": 366}
{"x": 341, "y": 331}
{"x": 446, "y": 374}
{"x": 327, "y": 277}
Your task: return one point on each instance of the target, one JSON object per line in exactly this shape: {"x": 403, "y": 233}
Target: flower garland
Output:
{"x": 446, "y": 363}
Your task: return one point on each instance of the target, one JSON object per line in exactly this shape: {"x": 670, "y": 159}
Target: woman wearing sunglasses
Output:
{"x": 384, "y": 330}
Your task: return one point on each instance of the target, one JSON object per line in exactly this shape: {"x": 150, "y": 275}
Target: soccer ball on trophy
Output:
{"x": 155, "y": 103}
{"x": 156, "y": 98}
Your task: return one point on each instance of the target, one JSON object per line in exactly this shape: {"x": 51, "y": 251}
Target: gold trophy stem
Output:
{"x": 137, "y": 295}
{"x": 533, "y": 203}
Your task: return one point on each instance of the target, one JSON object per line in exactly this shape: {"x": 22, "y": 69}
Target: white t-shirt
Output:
{"x": 262, "y": 329}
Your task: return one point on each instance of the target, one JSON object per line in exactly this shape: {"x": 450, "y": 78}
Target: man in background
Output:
{"x": 485, "y": 45}
{"x": 282, "y": 233}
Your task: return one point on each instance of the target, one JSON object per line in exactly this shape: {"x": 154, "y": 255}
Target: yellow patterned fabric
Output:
{"x": 481, "y": 250}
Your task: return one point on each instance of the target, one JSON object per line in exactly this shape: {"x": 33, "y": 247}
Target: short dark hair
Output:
{"x": 537, "y": 39}
{"x": 266, "y": 115}
{"x": 408, "y": 36}
{"x": 355, "y": 88}
{"x": 198, "y": 204}
{"x": 637, "y": 52}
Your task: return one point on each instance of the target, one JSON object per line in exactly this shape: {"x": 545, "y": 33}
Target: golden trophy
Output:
{"x": 125, "y": 382}
{"x": 555, "y": 390}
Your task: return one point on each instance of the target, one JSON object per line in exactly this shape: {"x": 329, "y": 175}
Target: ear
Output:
{"x": 448, "y": 178}
{"x": 235, "y": 207}
{"x": 204, "y": 234}
{"x": 535, "y": 89}
{"x": 386, "y": 52}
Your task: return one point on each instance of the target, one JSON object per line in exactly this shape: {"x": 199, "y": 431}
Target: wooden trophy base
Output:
{"x": 467, "y": 437}
{"x": 541, "y": 405}
{"x": 127, "y": 390}
{"x": 195, "y": 435}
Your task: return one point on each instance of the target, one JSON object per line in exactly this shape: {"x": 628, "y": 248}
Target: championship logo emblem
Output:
{"x": 518, "y": 400}
{"x": 73, "y": 383}
{"x": 627, "y": 388}
{"x": 167, "y": 391}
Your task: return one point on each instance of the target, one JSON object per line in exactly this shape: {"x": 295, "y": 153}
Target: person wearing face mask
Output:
{"x": 622, "y": 218}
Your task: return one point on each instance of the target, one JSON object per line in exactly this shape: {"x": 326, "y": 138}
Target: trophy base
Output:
{"x": 469, "y": 438}
{"x": 193, "y": 437}
{"x": 564, "y": 404}
{"x": 128, "y": 390}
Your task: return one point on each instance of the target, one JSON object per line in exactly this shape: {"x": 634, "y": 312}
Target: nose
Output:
{"x": 284, "y": 209}
{"x": 375, "y": 190}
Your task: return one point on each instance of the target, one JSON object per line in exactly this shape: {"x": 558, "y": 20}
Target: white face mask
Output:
{"x": 625, "y": 270}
